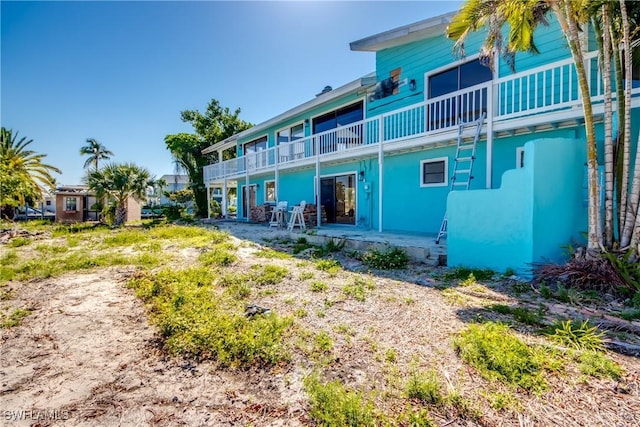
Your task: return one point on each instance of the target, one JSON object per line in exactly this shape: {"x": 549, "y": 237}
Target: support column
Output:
{"x": 224, "y": 199}
{"x": 490, "y": 114}
{"x": 380, "y": 172}
{"x": 208, "y": 200}
{"x": 316, "y": 143}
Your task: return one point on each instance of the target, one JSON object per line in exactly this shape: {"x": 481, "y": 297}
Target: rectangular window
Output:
{"x": 256, "y": 145}
{"x": 294, "y": 151}
{"x": 48, "y": 202}
{"x": 341, "y": 117}
{"x": 459, "y": 77}
{"x": 269, "y": 191}
{"x": 70, "y": 204}
{"x": 434, "y": 172}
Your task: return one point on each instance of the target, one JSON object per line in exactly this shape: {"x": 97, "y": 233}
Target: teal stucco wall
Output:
{"x": 538, "y": 209}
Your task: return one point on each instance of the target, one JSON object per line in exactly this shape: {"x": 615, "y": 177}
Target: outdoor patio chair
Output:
{"x": 279, "y": 215}
{"x": 297, "y": 217}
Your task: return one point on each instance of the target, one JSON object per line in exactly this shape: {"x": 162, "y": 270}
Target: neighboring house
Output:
{"x": 174, "y": 183}
{"x": 379, "y": 153}
{"x": 76, "y": 203}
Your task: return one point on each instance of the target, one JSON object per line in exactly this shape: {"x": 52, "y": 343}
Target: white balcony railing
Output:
{"x": 539, "y": 90}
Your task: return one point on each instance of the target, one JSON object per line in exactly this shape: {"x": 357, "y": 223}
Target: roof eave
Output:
{"x": 409, "y": 33}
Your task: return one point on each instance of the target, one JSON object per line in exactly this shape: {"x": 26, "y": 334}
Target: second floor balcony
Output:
{"x": 519, "y": 100}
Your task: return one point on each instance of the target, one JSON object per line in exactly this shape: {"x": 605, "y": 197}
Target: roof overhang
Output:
{"x": 221, "y": 145}
{"x": 406, "y": 34}
{"x": 352, "y": 87}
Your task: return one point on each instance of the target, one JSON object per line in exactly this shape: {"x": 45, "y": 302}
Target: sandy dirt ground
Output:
{"x": 87, "y": 355}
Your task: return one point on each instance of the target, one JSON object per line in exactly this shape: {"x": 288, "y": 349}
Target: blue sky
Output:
{"x": 121, "y": 72}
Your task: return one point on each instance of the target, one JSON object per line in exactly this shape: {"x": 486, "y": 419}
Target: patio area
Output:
{"x": 419, "y": 247}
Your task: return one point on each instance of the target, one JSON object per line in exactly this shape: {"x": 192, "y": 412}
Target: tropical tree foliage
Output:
{"x": 616, "y": 28}
{"x": 212, "y": 126}
{"x": 23, "y": 175}
{"x": 119, "y": 182}
{"x": 95, "y": 152}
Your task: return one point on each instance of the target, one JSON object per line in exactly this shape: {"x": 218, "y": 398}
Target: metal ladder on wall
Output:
{"x": 463, "y": 163}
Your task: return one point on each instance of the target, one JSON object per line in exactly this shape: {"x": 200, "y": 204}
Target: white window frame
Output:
{"x": 66, "y": 204}
{"x": 274, "y": 190}
{"x": 446, "y": 172}
{"x": 296, "y": 151}
{"x": 520, "y": 157}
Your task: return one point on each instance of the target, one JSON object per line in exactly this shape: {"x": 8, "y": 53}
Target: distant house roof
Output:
{"x": 321, "y": 98}
{"x": 406, "y": 34}
{"x": 176, "y": 179}
{"x": 73, "y": 189}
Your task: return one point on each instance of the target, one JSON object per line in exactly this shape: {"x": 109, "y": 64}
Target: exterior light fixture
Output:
{"x": 412, "y": 84}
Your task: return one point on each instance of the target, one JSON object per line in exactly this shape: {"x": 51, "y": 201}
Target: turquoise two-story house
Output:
{"x": 380, "y": 153}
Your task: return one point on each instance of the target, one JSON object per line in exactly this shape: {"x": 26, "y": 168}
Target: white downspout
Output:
{"x": 208, "y": 200}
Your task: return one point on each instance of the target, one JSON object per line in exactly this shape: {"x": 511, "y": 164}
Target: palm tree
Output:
{"x": 95, "y": 151}
{"x": 23, "y": 175}
{"x": 523, "y": 17}
{"x": 119, "y": 182}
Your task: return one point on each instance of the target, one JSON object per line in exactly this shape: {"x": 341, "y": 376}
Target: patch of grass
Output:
{"x": 301, "y": 245}
{"x": 323, "y": 343}
{"x": 301, "y": 312}
{"x": 580, "y": 336}
{"x": 598, "y": 365}
{"x": 16, "y": 242}
{"x": 318, "y": 286}
{"x": 463, "y": 406}
{"x": 196, "y": 321}
{"x": 462, "y": 273}
{"x": 498, "y": 353}
{"x": 630, "y": 315}
{"x": 425, "y": 386}
{"x": 521, "y": 314}
{"x": 389, "y": 259}
{"x": 125, "y": 237}
{"x": 272, "y": 254}
{"x": 469, "y": 281}
{"x": 453, "y": 297}
{"x": 46, "y": 249}
{"x": 503, "y": 401}
{"x": 416, "y": 418}
{"x": 306, "y": 275}
{"x": 331, "y": 266}
{"x": 13, "y": 319}
{"x": 328, "y": 248}
{"x": 391, "y": 355}
{"x": 332, "y": 404}
{"x": 217, "y": 257}
{"x": 270, "y": 275}
{"x": 358, "y": 288}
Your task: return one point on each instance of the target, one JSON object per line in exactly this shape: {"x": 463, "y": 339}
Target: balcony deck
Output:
{"x": 541, "y": 98}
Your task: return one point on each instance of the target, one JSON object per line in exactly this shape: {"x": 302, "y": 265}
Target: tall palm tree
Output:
{"x": 23, "y": 175}
{"x": 523, "y": 17}
{"x": 95, "y": 151}
{"x": 119, "y": 181}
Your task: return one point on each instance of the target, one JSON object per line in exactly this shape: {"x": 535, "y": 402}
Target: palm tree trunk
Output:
{"x": 626, "y": 154}
{"x": 620, "y": 141}
{"x": 566, "y": 18}
{"x": 121, "y": 213}
{"x": 605, "y": 58}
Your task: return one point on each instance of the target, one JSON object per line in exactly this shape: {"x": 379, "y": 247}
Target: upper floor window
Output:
{"x": 256, "y": 145}
{"x": 459, "y": 77}
{"x": 290, "y": 134}
{"x": 340, "y": 117}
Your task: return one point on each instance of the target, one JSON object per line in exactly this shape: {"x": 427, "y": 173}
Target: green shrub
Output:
{"x": 581, "y": 336}
{"x": 331, "y": 266}
{"x": 389, "y": 259}
{"x": 300, "y": 245}
{"x": 323, "y": 342}
{"x": 497, "y": 353}
{"x": 271, "y": 254}
{"x": 425, "y": 386}
{"x": 333, "y": 405}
